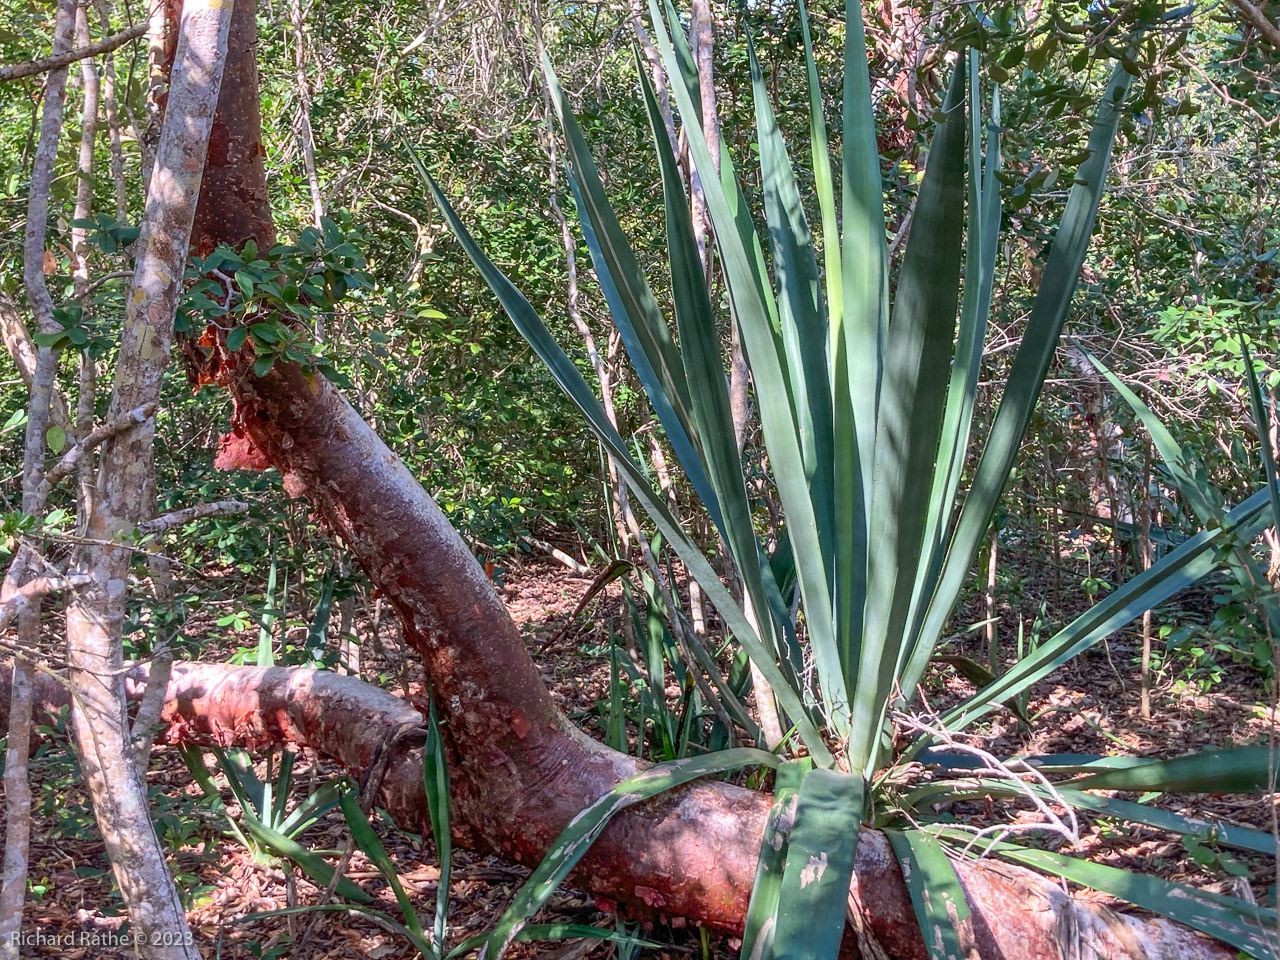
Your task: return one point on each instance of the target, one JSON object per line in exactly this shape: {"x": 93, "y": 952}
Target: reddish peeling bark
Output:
{"x": 1018, "y": 915}
{"x": 233, "y": 205}
{"x": 522, "y": 770}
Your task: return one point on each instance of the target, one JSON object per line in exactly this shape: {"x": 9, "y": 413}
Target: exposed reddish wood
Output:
{"x": 233, "y": 200}
{"x": 237, "y": 452}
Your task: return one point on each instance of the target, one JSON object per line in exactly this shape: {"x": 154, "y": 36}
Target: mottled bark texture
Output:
{"x": 86, "y": 395}
{"x": 705, "y": 835}
{"x": 96, "y": 613}
{"x": 25, "y": 566}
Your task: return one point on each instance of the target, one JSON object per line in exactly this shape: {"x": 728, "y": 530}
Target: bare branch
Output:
{"x": 1254, "y": 16}
{"x": 182, "y": 517}
{"x": 17, "y": 341}
{"x": 67, "y": 464}
{"x": 19, "y": 597}
{"x": 16, "y": 71}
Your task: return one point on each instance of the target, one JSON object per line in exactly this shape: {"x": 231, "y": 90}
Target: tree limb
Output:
{"x": 1254, "y": 16}
{"x": 15, "y": 600}
{"x": 17, "y": 341}
{"x": 67, "y": 464}
{"x": 16, "y": 71}
{"x": 178, "y": 518}
{"x": 711, "y": 830}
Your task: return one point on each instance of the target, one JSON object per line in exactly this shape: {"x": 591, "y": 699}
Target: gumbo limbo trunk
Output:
{"x": 520, "y": 769}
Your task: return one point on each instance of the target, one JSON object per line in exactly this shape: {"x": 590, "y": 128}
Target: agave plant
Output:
{"x": 865, "y": 397}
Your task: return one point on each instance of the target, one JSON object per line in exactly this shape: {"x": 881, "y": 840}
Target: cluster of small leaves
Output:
{"x": 1206, "y": 336}
{"x": 13, "y": 523}
{"x": 81, "y": 329}
{"x": 108, "y": 234}
{"x": 269, "y": 300}
{"x": 1206, "y": 850}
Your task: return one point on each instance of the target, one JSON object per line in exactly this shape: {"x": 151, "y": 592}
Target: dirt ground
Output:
{"x": 1089, "y": 706}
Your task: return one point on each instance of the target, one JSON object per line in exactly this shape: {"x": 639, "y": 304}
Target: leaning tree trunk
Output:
{"x": 520, "y": 770}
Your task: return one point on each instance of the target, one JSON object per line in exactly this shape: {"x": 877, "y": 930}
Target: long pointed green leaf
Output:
{"x": 248, "y": 790}
{"x": 308, "y": 861}
{"x": 750, "y": 243}
{"x": 315, "y": 806}
{"x": 1263, "y": 421}
{"x": 803, "y": 329}
{"x": 1269, "y": 602}
{"x": 1204, "y": 506}
{"x": 1030, "y": 365}
{"x": 917, "y": 358}
{"x": 936, "y": 894}
{"x": 762, "y": 911}
{"x": 631, "y": 301}
{"x": 284, "y": 782}
{"x": 318, "y": 631}
{"x": 575, "y": 387}
{"x": 764, "y": 353}
{"x": 800, "y": 315}
{"x": 435, "y": 780}
{"x": 266, "y": 656}
{"x": 709, "y": 394}
{"x": 367, "y": 840}
{"x": 729, "y": 186}
{"x": 982, "y": 244}
{"x": 1172, "y": 573}
{"x": 857, "y": 326}
{"x": 1171, "y": 452}
{"x": 858, "y": 342}
{"x": 1238, "y": 770}
{"x": 820, "y": 856}
{"x": 1245, "y": 926}
{"x": 1200, "y": 497}
{"x": 822, "y": 179}
{"x": 1228, "y": 835}
{"x": 1113, "y": 808}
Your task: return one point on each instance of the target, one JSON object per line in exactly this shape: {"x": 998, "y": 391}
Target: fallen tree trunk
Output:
{"x": 706, "y": 835}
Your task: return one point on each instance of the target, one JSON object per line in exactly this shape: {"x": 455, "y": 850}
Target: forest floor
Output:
{"x": 1089, "y": 706}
